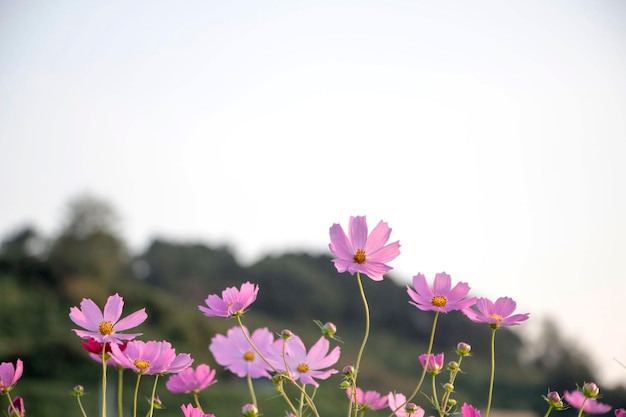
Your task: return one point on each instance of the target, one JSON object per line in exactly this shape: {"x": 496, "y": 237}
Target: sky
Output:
{"x": 489, "y": 135}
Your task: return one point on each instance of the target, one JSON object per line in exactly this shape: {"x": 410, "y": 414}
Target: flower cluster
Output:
{"x": 286, "y": 360}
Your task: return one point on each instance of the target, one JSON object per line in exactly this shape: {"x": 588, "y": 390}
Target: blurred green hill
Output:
{"x": 42, "y": 277}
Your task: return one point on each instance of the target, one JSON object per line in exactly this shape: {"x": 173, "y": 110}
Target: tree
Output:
{"x": 88, "y": 245}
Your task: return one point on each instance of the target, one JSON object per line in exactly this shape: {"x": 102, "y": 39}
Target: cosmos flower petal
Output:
{"x": 132, "y": 320}
{"x": 113, "y": 308}
{"x": 357, "y": 230}
{"x": 442, "y": 284}
{"x": 377, "y": 239}
{"x": 91, "y": 312}
{"x": 339, "y": 243}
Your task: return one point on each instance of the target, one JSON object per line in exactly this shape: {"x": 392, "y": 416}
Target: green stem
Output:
{"x": 135, "y": 396}
{"x": 80, "y": 404}
{"x": 197, "y": 401}
{"x": 446, "y": 395}
{"x": 104, "y": 380}
{"x": 156, "y": 379}
{"x": 120, "y": 387}
{"x": 436, "y": 401}
{"x": 363, "y": 343}
{"x": 493, "y": 369}
{"x": 251, "y": 388}
{"x": 549, "y": 411}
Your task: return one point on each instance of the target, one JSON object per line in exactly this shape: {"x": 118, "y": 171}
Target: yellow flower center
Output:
{"x": 105, "y": 328}
{"x": 248, "y": 356}
{"x": 496, "y": 316}
{"x": 303, "y": 367}
{"x": 439, "y": 301}
{"x": 359, "y": 256}
{"x": 141, "y": 364}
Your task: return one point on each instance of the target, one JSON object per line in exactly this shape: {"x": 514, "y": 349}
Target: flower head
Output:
{"x": 578, "y": 400}
{"x": 191, "y": 411}
{"x": 357, "y": 251}
{"x": 232, "y": 303}
{"x": 467, "y": 410}
{"x": 432, "y": 363}
{"x": 368, "y": 400}
{"x": 16, "y": 408}
{"x": 234, "y": 352}
{"x": 399, "y": 406}
{"x": 620, "y": 412}
{"x": 9, "y": 375}
{"x": 150, "y": 358}
{"x": 441, "y": 297}
{"x": 104, "y": 326}
{"x": 495, "y": 314}
{"x": 303, "y": 365}
{"x": 191, "y": 380}
{"x": 249, "y": 410}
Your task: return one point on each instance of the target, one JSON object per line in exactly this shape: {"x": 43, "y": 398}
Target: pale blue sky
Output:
{"x": 490, "y": 135}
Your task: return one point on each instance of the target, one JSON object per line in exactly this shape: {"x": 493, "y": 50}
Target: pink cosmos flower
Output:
{"x": 190, "y": 380}
{"x": 305, "y": 366}
{"x": 191, "y": 411}
{"x": 442, "y": 297}
{"x": 397, "y": 404}
{"x": 591, "y": 406}
{"x": 9, "y": 375}
{"x": 232, "y": 303}
{"x": 432, "y": 363}
{"x": 234, "y": 352}
{"x": 368, "y": 400}
{"x": 495, "y": 314}
{"x": 359, "y": 252}
{"x": 104, "y": 327}
{"x": 151, "y": 357}
{"x": 620, "y": 412}
{"x": 16, "y": 408}
{"x": 468, "y": 410}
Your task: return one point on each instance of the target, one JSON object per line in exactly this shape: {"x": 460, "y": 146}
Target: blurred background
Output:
{"x": 166, "y": 149}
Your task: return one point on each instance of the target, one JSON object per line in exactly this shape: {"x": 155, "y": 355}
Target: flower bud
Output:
{"x": 345, "y": 384}
{"x": 78, "y": 390}
{"x": 620, "y": 412}
{"x": 453, "y": 366}
{"x": 16, "y": 408}
{"x": 451, "y": 402}
{"x": 554, "y": 400}
{"x": 448, "y": 387}
{"x": 329, "y": 329}
{"x": 348, "y": 370}
{"x": 249, "y": 410}
{"x": 590, "y": 390}
{"x": 411, "y": 408}
{"x": 286, "y": 334}
{"x": 463, "y": 349}
{"x": 157, "y": 403}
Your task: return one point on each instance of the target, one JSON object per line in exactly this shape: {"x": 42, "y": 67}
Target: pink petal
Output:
{"x": 385, "y": 254}
{"x": 92, "y": 313}
{"x": 113, "y": 308}
{"x": 132, "y": 320}
{"x": 442, "y": 284}
{"x": 357, "y": 230}
{"x": 422, "y": 288}
{"x": 378, "y": 238}
{"x": 77, "y": 316}
{"x": 504, "y": 306}
{"x": 339, "y": 244}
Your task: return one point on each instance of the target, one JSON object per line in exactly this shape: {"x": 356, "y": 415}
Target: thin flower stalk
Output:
{"x": 153, "y": 396}
{"x": 493, "y": 369}
{"x": 446, "y": 396}
{"x": 363, "y": 343}
{"x": 104, "y": 380}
